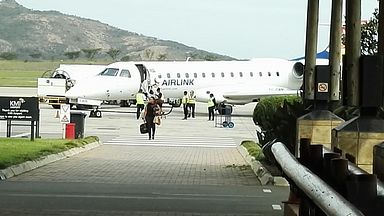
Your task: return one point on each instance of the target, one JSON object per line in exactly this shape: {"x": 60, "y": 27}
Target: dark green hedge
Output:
{"x": 276, "y": 116}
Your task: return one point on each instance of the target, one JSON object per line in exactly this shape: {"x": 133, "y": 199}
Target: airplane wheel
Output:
{"x": 225, "y": 124}
{"x": 231, "y": 125}
{"x": 98, "y": 114}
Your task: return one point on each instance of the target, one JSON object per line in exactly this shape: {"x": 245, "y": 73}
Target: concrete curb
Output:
{"x": 31, "y": 165}
{"x": 264, "y": 176}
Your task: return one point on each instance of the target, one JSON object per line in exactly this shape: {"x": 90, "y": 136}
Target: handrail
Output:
{"x": 325, "y": 197}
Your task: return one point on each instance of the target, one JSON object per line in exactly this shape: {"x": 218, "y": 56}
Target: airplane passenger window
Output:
{"x": 269, "y": 73}
{"x": 222, "y": 74}
{"x": 232, "y": 74}
{"x": 203, "y": 75}
{"x": 186, "y": 75}
{"x": 261, "y": 74}
{"x": 195, "y": 75}
{"x": 125, "y": 73}
{"x": 168, "y": 75}
{"x": 109, "y": 72}
{"x": 178, "y": 75}
{"x": 277, "y": 73}
{"x": 251, "y": 74}
{"x": 241, "y": 74}
{"x": 213, "y": 75}
{"x": 159, "y": 76}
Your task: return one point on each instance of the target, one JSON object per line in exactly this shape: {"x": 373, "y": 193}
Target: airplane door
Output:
{"x": 144, "y": 77}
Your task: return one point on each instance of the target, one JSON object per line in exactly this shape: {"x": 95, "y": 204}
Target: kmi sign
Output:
{"x": 19, "y": 108}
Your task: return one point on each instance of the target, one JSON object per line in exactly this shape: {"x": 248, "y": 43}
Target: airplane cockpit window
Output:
{"x": 269, "y": 73}
{"x": 186, "y": 75}
{"x": 168, "y": 75}
{"x": 232, "y": 74}
{"x": 203, "y": 75}
{"x": 125, "y": 73}
{"x": 178, "y": 75}
{"x": 261, "y": 74}
{"x": 241, "y": 74}
{"x": 109, "y": 72}
{"x": 277, "y": 73}
{"x": 195, "y": 75}
{"x": 222, "y": 74}
{"x": 213, "y": 75}
{"x": 251, "y": 74}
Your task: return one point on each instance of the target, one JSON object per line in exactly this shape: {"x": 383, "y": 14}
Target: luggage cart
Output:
{"x": 224, "y": 118}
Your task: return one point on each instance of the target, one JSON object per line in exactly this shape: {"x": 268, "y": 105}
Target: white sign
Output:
{"x": 65, "y": 113}
{"x": 322, "y": 87}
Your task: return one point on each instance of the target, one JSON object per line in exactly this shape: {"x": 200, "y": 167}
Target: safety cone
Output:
{"x": 57, "y": 114}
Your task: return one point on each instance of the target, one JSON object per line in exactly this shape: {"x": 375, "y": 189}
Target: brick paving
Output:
{"x": 148, "y": 165}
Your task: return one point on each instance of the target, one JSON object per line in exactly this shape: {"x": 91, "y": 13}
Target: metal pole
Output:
{"x": 311, "y": 49}
{"x": 381, "y": 28}
{"x": 326, "y": 198}
{"x": 352, "y": 50}
{"x": 335, "y": 49}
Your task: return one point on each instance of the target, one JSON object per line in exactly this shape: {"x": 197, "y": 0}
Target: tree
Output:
{"x": 162, "y": 57}
{"x": 72, "y": 55}
{"x": 369, "y": 35}
{"x": 125, "y": 58}
{"x": 35, "y": 55}
{"x": 113, "y": 53}
{"x": 8, "y": 55}
{"x": 149, "y": 54}
{"x": 210, "y": 57}
{"x": 90, "y": 53}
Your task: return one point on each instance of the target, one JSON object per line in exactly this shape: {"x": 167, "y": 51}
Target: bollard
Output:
{"x": 339, "y": 174}
{"x": 304, "y": 151}
{"x": 362, "y": 191}
{"x": 316, "y": 159}
{"x": 327, "y": 165}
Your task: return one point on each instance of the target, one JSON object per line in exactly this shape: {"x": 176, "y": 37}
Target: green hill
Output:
{"x": 32, "y": 34}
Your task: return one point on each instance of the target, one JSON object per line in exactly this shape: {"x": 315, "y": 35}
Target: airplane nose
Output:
{"x": 72, "y": 93}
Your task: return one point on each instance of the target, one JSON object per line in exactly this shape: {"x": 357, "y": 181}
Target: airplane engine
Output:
{"x": 298, "y": 70}
{"x": 295, "y": 79}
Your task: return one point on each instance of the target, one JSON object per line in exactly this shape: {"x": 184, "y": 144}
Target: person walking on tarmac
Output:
{"x": 191, "y": 103}
{"x": 140, "y": 97}
{"x": 150, "y": 112}
{"x": 184, "y": 101}
{"x": 211, "y": 107}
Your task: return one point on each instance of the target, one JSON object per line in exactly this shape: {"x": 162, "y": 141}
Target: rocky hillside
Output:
{"x": 30, "y": 34}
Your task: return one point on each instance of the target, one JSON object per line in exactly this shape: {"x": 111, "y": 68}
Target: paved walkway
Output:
{"x": 191, "y": 168}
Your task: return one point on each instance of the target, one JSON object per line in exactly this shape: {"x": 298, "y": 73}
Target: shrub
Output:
{"x": 276, "y": 116}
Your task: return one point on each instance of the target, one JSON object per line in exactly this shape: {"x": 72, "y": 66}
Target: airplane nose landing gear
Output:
{"x": 95, "y": 113}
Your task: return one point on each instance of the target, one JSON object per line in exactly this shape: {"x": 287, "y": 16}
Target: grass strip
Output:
{"x": 253, "y": 149}
{"x": 18, "y": 150}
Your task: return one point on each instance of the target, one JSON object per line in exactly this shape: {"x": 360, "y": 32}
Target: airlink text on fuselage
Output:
{"x": 178, "y": 82}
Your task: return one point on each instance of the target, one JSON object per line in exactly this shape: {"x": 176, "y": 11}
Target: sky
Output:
{"x": 242, "y": 29}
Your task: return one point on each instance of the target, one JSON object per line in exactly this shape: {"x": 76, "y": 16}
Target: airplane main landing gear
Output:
{"x": 95, "y": 113}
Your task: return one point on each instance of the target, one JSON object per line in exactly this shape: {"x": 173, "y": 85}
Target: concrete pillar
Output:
{"x": 352, "y": 50}
{"x": 335, "y": 49}
{"x": 381, "y": 27}
{"x": 311, "y": 48}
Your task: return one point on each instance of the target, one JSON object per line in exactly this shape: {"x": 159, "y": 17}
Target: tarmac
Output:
{"x": 193, "y": 167}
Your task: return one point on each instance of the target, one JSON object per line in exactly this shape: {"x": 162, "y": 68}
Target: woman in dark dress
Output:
{"x": 151, "y": 110}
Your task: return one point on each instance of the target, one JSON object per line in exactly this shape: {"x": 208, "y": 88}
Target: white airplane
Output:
{"x": 232, "y": 82}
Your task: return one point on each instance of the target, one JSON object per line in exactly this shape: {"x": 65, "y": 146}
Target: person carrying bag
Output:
{"x": 151, "y": 112}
